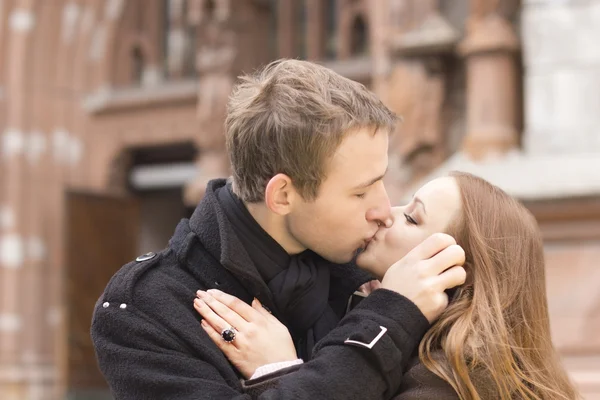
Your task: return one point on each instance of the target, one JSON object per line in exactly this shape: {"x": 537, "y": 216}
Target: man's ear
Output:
{"x": 280, "y": 194}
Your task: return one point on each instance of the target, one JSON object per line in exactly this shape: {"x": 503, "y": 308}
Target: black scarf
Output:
{"x": 299, "y": 283}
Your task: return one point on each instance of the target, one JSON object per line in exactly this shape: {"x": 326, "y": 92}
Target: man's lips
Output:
{"x": 369, "y": 240}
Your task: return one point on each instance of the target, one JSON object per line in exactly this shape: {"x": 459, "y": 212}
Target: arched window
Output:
{"x": 330, "y": 29}
{"x": 273, "y": 41}
{"x": 300, "y": 34}
{"x": 359, "y": 37}
{"x": 209, "y": 9}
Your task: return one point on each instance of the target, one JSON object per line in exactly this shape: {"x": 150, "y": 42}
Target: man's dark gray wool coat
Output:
{"x": 150, "y": 345}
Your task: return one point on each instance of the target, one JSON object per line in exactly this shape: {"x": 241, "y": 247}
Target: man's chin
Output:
{"x": 342, "y": 259}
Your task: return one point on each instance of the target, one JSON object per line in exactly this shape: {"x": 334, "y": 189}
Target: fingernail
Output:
{"x": 199, "y": 302}
{"x": 214, "y": 291}
{"x": 388, "y": 223}
{"x": 203, "y": 323}
{"x": 257, "y": 301}
{"x": 200, "y": 293}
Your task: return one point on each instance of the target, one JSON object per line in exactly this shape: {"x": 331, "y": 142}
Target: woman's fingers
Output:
{"x": 211, "y": 317}
{"x": 452, "y": 277}
{"x": 213, "y": 334}
{"x": 453, "y": 255}
{"x": 235, "y": 304}
{"x": 260, "y": 340}
{"x": 231, "y": 317}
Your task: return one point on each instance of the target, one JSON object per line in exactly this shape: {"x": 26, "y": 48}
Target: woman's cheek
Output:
{"x": 394, "y": 240}
{"x": 394, "y": 247}
{"x": 400, "y": 245}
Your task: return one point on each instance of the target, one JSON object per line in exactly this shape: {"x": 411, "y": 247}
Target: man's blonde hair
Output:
{"x": 289, "y": 118}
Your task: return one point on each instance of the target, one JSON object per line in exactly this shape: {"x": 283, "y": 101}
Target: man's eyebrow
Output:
{"x": 372, "y": 181}
{"x": 418, "y": 200}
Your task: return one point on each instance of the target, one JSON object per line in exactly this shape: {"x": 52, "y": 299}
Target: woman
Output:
{"x": 493, "y": 340}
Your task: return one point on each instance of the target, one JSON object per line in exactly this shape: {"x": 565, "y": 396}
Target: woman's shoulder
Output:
{"x": 420, "y": 383}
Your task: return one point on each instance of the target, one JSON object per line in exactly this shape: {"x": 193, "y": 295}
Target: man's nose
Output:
{"x": 381, "y": 211}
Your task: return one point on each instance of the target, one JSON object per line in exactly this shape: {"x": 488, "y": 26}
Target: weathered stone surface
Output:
{"x": 529, "y": 177}
{"x": 561, "y": 111}
{"x": 558, "y": 32}
{"x": 562, "y": 81}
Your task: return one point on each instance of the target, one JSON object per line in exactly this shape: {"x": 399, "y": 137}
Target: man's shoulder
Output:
{"x": 152, "y": 290}
{"x": 148, "y": 276}
{"x": 145, "y": 318}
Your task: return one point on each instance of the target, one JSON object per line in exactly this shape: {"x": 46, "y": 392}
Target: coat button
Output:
{"x": 123, "y": 306}
{"x": 106, "y": 304}
{"x": 145, "y": 257}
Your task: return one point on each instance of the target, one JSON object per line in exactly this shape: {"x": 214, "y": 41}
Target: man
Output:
{"x": 308, "y": 150}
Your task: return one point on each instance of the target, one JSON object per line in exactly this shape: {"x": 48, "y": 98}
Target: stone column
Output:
{"x": 21, "y": 22}
{"x": 61, "y": 159}
{"x": 490, "y": 49}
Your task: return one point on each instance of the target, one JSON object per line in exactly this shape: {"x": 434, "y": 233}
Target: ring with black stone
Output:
{"x": 228, "y": 334}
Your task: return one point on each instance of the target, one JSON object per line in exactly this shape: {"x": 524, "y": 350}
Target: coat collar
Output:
{"x": 209, "y": 230}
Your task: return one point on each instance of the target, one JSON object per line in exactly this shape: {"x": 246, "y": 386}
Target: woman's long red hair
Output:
{"x": 495, "y": 334}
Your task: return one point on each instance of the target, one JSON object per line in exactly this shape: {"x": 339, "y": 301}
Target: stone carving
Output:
{"x": 417, "y": 93}
{"x": 427, "y": 31}
{"x": 177, "y": 41}
{"x": 416, "y": 87}
{"x": 215, "y": 63}
{"x": 208, "y": 10}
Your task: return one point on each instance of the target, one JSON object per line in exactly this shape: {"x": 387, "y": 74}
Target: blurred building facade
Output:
{"x": 111, "y": 114}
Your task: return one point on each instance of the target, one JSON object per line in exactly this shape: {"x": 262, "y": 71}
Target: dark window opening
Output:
{"x": 359, "y": 44}
{"x": 209, "y": 9}
{"x": 330, "y": 29}
{"x": 300, "y": 33}
{"x": 137, "y": 63}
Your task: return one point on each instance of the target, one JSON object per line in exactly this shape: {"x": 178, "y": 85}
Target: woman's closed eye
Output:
{"x": 410, "y": 219}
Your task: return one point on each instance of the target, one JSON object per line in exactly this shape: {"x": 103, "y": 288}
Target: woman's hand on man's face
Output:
{"x": 260, "y": 338}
